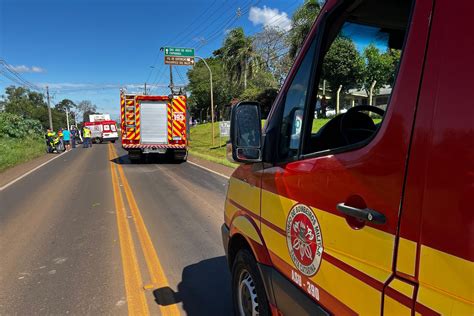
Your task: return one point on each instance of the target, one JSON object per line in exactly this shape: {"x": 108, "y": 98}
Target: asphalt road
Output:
{"x": 90, "y": 233}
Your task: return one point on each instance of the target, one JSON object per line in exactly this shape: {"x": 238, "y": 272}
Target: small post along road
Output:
{"x": 90, "y": 233}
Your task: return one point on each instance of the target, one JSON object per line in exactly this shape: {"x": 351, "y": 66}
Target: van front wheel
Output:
{"x": 247, "y": 286}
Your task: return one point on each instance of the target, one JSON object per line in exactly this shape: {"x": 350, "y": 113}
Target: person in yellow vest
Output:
{"x": 50, "y": 140}
{"x": 86, "y": 133}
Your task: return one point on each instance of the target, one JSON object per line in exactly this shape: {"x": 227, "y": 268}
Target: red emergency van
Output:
{"x": 103, "y": 131}
{"x": 370, "y": 213}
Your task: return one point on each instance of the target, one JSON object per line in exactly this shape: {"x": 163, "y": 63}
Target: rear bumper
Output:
{"x": 109, "y": 138}
{"x": 153, "y": 146}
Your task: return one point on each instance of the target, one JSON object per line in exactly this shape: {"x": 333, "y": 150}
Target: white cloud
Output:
{"x": 26, "y": 69}
{"x": 37, "y": 69}
{"x": 269, "y": 17}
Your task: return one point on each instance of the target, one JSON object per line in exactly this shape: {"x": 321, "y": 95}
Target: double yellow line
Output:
{"x": 134, "y": 286}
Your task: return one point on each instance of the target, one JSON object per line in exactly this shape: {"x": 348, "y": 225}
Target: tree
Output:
{"x": 239, "y": 57}
{"x": 199, "y": 86}
{"x": 343, "y": 65}
{"x": 301, "y": 23}
{"x": 22, "y": 101}
{"x": 379, "y": 67}
{"x": 65, "y": 104}
{"x": 270, "y": 45}
{"x": 86, "y": 107}
{"x": 31, "y": 105}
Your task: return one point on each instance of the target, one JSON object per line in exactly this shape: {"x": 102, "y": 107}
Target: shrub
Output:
{"x": 15, "y": 126}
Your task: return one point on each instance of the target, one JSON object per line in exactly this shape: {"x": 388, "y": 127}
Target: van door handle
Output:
{"x": 366, "y": 214}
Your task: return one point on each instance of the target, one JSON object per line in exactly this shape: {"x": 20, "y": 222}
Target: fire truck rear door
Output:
{"x": 154, "y": 125}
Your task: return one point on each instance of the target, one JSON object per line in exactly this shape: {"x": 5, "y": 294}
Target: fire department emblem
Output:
{"x": 304, "y": 239}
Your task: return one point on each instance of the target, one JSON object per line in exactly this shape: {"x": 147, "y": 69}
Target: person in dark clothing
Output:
{"x": 73, "y": 136}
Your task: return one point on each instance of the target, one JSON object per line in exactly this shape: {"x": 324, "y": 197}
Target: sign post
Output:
{"x": 224, "y": 130}
{"x": 185, "y": 57}
{"x": 212, "y": 99}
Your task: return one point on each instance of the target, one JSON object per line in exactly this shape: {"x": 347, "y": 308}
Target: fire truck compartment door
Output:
{"x": 154, "y": 125}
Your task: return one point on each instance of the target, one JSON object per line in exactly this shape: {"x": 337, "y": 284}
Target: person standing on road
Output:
{"x": 73, "y": 136}
{"x": 67, "y": 139}
{"x": 60, "y": 134}
{"x": 86, "y": 132}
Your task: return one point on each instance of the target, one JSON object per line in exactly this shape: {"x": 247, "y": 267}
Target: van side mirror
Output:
{"x": 246, "y": 133}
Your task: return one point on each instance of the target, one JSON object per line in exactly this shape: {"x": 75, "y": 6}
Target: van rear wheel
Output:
{"x": 248, "y": 292}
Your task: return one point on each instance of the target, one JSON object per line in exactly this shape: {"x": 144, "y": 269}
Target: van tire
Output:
{"x": 248, "y": 291}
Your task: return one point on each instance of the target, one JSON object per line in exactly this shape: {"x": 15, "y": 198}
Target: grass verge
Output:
{"x": 200, "y": 144}
{"x": 15, "y": 151}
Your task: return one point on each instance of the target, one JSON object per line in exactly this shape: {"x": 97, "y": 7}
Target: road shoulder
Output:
{"x": 14, "y": 172}
{"x": 213, "y": 166}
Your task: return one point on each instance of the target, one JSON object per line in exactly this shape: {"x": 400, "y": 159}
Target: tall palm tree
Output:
{"x": 239, "y": 56}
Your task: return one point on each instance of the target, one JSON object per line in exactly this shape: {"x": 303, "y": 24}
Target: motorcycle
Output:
{"x": 54, "y": 145}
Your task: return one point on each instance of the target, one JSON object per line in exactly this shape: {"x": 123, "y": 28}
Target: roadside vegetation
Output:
{"x": 20, "y": 140}
{"x": 24, "y": 120}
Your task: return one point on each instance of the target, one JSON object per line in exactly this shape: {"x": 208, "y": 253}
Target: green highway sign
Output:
{"x": 179, "y": 56}
{"x": 179, "y": 52}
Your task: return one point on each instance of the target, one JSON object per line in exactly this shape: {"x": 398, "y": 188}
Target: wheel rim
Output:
{"x": 247, "y": 295}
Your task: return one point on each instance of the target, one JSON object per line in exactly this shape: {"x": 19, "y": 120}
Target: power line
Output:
{"x": 180, "y": 35}
{"x": 216, "y": 33}
{"x": 220, "y": 27}
{"x": 190, "y": 32}
{"x": 216, "y": 27}
{"x": 180, "y": 76}
{"x": 14, "y": 76}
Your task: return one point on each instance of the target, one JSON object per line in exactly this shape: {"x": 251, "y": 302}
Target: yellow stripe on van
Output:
{"x": 394, "y": 308}
{"x": 446, "y": 282}
{"x": 406, "y": 259}
{"x": 246, "y": 195}
{"x": 370, "y": 248}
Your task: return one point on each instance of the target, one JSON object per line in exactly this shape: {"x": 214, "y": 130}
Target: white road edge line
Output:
{"x": 31, "y": 171}
{"x": 207, "y": 169}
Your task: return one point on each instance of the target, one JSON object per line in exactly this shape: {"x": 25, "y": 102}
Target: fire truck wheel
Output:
{"x": 136, "y": 160}
{"x": 247, "y": 286}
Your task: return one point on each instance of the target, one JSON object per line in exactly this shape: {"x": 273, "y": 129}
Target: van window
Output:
{"x": 106, "y": 127}
{"x": 360, "y": 54}
{"x": 113, "y": 128}
{"x": 295, "y": 100}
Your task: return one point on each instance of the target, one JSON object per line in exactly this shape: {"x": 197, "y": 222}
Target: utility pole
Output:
{"x": 49, "y": 110}
{"x": 145, "y": 88}
{"x": 67, "y": 119}
{"x": 171, "y": 80}
{"x": 212, "y": 97}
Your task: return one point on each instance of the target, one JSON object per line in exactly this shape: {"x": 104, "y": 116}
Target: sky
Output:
{"x": 89, "y": 49}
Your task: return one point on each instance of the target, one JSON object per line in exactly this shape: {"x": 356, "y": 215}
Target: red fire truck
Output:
{"x": 153, "y": 125}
